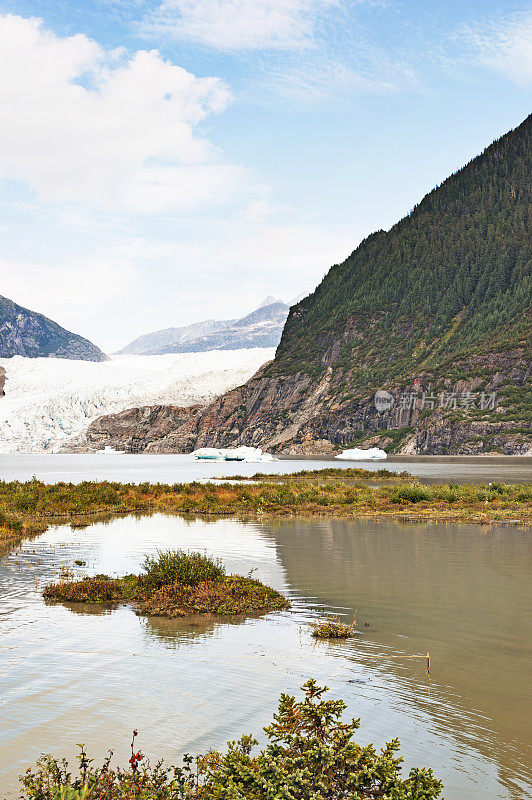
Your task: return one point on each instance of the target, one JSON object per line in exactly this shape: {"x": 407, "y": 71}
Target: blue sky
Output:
{"x": 164, "y": 162}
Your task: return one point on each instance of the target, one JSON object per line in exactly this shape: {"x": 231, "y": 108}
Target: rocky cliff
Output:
{"x": 137, "y": 430}
{"x": 434, "y": 315}
{"x": 27, "y": 333}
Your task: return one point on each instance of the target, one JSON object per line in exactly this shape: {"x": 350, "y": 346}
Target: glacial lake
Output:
{"x": 123, "y": 467}
{"x": 462, "y": 592}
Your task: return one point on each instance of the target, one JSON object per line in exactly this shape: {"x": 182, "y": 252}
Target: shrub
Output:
{"x": 412, "y": 494}
{"x": 310, "y": 755}
{"x": 232, "y": 595}
{"x": 177, "y": 566}
{"x": 99, "y": 589}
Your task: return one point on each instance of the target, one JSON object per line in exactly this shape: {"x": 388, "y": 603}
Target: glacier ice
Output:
{"x": 50, "y": 402}
{"x": 247, "y": 454}
{"x": 357, "y": 454}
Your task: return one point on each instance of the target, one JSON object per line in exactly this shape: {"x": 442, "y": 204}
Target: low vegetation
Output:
{"x": 174, "y": 584}
{"x": 310, "y": 755}
{"x": 28, "y": 507}
{"x": 331, "y": 629}
{"x": 341, "y": 473}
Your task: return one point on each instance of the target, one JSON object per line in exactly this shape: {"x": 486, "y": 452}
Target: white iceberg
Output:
{"x": 248, "y": 454}
{"x": 357, "y": 454}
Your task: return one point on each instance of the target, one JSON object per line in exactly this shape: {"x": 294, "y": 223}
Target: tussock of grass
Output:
{"x": 202, "y": 587}
{"x": 331, "y": 629}
{"x": 177, "y": 566}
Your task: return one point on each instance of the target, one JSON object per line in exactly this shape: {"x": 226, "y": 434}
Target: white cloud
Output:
{"x": 317, "y": 83}
{"x": 241, "y": 24}
{"x": 505, "y": 45}
{"x": 81, "y": 123}
{"x": 69, "y": 293}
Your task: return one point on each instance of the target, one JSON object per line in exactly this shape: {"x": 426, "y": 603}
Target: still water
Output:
{"x": 80, "y": 674}
{"x": 53, "y": 468}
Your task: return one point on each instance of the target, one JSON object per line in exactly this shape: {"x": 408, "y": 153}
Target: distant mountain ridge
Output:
{"x": 153, "y": 343}
{"x": 30, "y": 334}
{"x": 261, "y": 328}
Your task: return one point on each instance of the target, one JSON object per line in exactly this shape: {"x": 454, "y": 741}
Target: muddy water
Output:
{"x": 52, "y": 468}
{"x": 78, "y": 674}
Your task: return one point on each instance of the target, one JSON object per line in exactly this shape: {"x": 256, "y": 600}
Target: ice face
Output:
{"x": 50, "y": 402}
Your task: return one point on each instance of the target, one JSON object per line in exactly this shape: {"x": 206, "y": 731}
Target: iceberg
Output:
{"x": 248, "y": 454}
{"x": 357, "y": 454}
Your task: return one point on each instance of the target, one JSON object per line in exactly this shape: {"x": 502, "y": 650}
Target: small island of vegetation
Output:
{"x": 174, "y": 584}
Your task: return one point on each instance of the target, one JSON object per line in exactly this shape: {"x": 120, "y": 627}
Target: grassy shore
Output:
{"x": 27, "y": 508}
{"x": 343, "y": 474}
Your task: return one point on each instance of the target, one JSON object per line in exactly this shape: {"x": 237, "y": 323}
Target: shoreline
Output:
{"x": 397, "y": 458}
{"x": 29, "y": 508}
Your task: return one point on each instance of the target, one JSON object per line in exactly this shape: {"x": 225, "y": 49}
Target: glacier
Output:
{"x": 50, "y": 402}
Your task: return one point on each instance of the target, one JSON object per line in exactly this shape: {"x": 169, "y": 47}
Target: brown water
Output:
{"x": 76, "y": 674}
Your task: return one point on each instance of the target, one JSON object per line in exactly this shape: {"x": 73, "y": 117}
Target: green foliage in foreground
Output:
{"x": 310, "y": 755}
{"x": 26, "y": 501}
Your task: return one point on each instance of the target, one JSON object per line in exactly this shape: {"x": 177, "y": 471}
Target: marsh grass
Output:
{"x": 201, "y": 587}
{"x": 331, "y": 629}
{"x": 178, "y": 566}
{"x": 341, "y": 473}
{"x": 27, "y": 508}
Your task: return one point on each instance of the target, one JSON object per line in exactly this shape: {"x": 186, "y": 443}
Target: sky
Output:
{"x": 172, "y": 161}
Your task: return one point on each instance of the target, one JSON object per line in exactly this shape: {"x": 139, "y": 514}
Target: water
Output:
{"x": 179, "y": 468}
{"x": 83, "y": 674}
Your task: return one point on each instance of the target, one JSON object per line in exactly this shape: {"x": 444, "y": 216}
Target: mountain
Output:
{"x": 261, "y": 328}
{"x": 435, "y": 313}
{"x": 27, "y": 333}
{"x": 154, "y": 343}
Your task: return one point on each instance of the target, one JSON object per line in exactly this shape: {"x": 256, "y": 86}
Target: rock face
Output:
{"x": 434, "y": 312}
{"x": 27, "y": 333}
{"x": 262, "y": 328}
{"x": 148, "y": 428}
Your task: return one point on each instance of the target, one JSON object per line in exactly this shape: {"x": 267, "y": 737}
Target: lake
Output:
{"x": 52, "y": 468}
{"x": 83, "y": 674}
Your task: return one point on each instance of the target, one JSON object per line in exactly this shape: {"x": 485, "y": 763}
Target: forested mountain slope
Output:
{"x": 436, "y": 311}
{"x": 451, "y": 276}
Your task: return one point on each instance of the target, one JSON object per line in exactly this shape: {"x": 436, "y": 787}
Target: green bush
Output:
{"x": 177, "y": 566}
{"x": 310, "y": 755}
{"x": 412, "y": 494}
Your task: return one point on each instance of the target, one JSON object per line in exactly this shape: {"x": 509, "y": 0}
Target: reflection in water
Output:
{"x": 461, "y": 592}
{"x": 83, "y": 673}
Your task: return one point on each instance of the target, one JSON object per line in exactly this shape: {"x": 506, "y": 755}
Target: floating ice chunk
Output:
{"x": 247, "y": 454}
{"x": 357, "y": 454}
